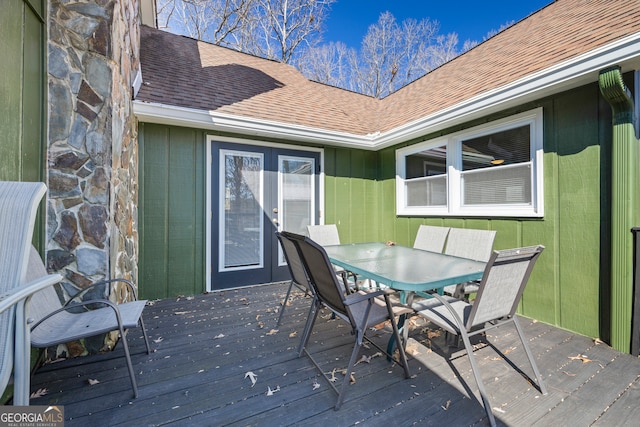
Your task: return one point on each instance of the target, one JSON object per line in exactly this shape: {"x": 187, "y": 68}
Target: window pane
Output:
{"x": 427, "y": 163}
{"x": 501, "y": 185}
{"x": 507, "y": 147}
{"x": 430, "y": 191}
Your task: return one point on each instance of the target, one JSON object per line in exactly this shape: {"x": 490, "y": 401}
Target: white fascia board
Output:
{"x": 203, "y": 119}
{"x": 575, "y": 72}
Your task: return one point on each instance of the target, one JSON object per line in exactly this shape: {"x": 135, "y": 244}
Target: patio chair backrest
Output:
{"x": 294, "y": 263}
{"x": 470, "y": 243}
{"x": 503, "y": 283}
{"x": 431, "y": 238}
{"x": 18, "y": 207}
{"x": 46, "y": 300}
{"x": 324, "y": 235}
{"x": 322, "y": 276}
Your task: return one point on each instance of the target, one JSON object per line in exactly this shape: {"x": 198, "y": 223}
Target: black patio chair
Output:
{"x": 361, "y": 310}
{"x": 296, "y": 269}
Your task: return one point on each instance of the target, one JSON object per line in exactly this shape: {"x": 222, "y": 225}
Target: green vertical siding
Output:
{"x": 350, "y": 181}
{"x": 172, "y": 237}
{"x": 23, "y": 99}
{"x": 568, "y": 285}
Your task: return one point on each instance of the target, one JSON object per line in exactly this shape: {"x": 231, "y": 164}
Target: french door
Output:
{"x": 256, "y": 191}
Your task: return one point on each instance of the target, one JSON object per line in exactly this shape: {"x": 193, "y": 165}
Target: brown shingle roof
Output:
{"x": 184, "y": 72}
{"x": 556, "y": 33}
{"x": 187, "y": 73}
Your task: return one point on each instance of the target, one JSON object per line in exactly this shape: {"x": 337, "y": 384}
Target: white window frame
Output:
{"x": 453, "y": 143}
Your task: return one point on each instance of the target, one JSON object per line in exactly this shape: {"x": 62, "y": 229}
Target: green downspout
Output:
{"x": 623, "y": 204}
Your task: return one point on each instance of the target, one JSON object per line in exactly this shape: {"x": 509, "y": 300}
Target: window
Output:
{"x": 490, "y": 170}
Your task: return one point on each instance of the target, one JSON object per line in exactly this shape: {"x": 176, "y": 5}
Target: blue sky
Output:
{"x": 471, "y": 19}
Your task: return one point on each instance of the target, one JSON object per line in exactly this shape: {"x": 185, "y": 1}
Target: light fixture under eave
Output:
{"x": 497, "y": 162}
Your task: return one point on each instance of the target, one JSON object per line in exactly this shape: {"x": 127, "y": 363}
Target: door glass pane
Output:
{"x": 241, "y": 209}
{"x": 297, "y": 193}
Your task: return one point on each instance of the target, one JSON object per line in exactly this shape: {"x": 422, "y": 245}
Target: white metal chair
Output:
{"x": 57, "y": 323}
{"x": 324, "y": 235}
{"x": 18, "y": 207}
{"x": 327, "y": 235}
{"x": 431, "y": 238}
{"x": 362, "y": 310}
{"x": 499, "y": 293}
{"x": 472, "y": 244}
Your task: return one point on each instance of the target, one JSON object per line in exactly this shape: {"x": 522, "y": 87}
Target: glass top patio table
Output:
{"x": 403, "y": 268}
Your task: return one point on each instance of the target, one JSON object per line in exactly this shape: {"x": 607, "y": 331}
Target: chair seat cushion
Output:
{"x": 434, "y": 311}
{"x": 65, "y": 326}
{"x": 378, "y": 311}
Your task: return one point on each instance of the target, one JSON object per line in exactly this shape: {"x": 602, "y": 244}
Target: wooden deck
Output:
{"x": 204, "y": 346}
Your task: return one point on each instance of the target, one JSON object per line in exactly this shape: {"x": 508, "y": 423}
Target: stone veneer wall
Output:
{"x": 93, "y": 56}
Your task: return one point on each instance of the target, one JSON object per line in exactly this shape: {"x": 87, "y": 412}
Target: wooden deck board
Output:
{"x": 203, "y": 347}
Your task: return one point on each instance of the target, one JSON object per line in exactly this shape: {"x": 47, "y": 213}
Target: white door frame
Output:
{"x": 209, "y": 176}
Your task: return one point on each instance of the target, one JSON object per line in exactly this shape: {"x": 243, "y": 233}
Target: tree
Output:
{"x": 274, "y": 29}
{"x": 215, "y": 21}
{"x": 327, "y": 63}
{"x": 391, "y": 56}
{"x": 288, "y": 24}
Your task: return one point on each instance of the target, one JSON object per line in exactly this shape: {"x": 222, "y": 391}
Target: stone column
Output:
{"x": 92, "y": 155}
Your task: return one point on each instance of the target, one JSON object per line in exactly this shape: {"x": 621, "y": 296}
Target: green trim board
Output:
{"x": 171, "y": 208}
{"x": 23, "y": 102}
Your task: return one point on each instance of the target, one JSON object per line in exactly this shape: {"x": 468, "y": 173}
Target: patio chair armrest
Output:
{"x": 8, "y": 299}
{"x": 66, "y": 307}
{"x": 358, "y": 297}
{"x": 453, "y": 312}
{"x": 103, "y": 282}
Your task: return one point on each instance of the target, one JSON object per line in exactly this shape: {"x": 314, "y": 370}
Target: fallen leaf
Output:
{"x": 367, "y": 359}
{"x": 39, "y": 393}
{"x": 272, "y": 332}
{"x": 253, "y": 377}
{"x": 316, "y": 385}
{"x": 217, "y": 337}
{"x": 581, "y": 357}
{"x": 159, "y": 339}
{"x": 569, "y": 374}
{"x": 293, "y": 334}
{"x": 93, "y": 382}
{"x": 333, "y": 378}
{"x": 432, "y": 334}
{"x": 270, "y": 392}
{"x": 598, "y": 341}
{"x": 260, "y": 325}
{"x": 446, "y": 405}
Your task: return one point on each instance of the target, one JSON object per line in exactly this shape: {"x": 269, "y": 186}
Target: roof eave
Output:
{"x": 569, "y": 74}
{"x": 250, "y": 126}
{"x": 576, "y": 72}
